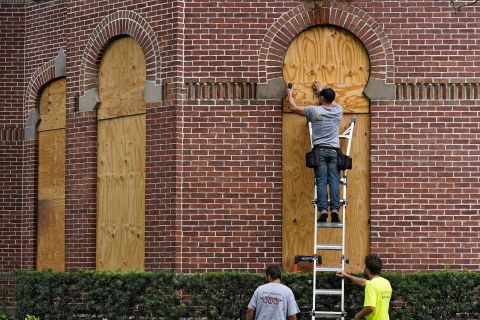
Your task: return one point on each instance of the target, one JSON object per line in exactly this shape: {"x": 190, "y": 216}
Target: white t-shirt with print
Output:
{"x": 273, "y": 301}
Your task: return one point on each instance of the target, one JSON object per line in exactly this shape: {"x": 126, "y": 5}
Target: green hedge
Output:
{"x": 224, "y": 296}
{"x": 96, "y": 295}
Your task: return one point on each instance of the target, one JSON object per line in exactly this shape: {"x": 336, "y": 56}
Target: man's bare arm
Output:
{"x": 250, "y": 314}
{"x": 364, "y": 312}
{"x": 293, "y": 106}
{"x": 292, "y": 317}
{"x": 360, "y": 281}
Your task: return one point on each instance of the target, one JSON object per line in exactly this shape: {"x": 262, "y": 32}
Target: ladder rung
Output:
{"x": 329, "y": 292}
{"x": 327, "y": 269}
{"x": 342, "y": 201}
{"x": 328, "y": 247}
{"x": 329, "y": 225}
{"x": 329, "y": 314}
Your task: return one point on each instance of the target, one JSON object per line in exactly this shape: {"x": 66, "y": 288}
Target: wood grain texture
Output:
{"x": 122, "y": 75}
{"x": 121, "y": 193}
{"x": 121, "y": 158}
{"x": 51, "y": 235}
{"x": 53, "y": 106}
{"x": 51, "y": 164}
{"x": 358, "y": 194}
{"x": 298, "y": 190}
{"x": 51, "y": 178}
{"x": 333, "y": 56}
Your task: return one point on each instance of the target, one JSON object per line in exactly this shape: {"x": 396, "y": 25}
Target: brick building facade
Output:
{"x": 214, "y": 137}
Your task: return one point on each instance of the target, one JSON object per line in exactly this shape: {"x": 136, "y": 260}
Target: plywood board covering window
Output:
{"x": 51, "y": 178}
{"x": 121, "y": 158}
{"x": 334, "y": 56}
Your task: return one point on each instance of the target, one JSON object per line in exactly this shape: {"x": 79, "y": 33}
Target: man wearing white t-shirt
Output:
{"x": 273, "y": 301}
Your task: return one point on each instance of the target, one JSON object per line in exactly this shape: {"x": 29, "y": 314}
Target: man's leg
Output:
{"x": 334, "y": 185}
{"x": 321, "y": 173}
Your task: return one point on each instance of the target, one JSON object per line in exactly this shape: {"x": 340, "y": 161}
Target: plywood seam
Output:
{"x": 122, "y": 116}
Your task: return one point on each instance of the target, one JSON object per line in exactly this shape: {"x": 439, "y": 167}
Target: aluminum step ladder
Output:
{"x": 340, "y": 314}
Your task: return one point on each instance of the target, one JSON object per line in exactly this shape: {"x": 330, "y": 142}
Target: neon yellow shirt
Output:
{"x": 377, "y": 294}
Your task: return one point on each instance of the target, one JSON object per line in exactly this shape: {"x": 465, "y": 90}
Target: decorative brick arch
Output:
{"x": 39, "y": 78}
{"x": 116, "y": 24}
{"x": 342, "y": 14}
{"x": 48, "y": 72}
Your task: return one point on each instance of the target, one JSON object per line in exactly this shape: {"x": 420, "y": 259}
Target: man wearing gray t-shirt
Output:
{"x": 325, "y": 120}
{"x": 273, "y": 301}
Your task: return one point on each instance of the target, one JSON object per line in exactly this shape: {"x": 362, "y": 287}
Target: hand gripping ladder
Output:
{"x": 348, "y": 134}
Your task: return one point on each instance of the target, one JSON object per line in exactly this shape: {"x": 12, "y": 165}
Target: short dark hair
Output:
{"x": 373, "y": 263}
{"x": 328, "y": 94}
{"x": 274, "y": 272}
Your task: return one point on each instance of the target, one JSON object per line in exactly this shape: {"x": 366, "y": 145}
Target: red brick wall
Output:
{"x": 10, "y": 205}
{"x": 213, "y": 182}
{"x": 222, "y": 38}
{"x": 158, "y": 20}
{"x": 231, "y": 186}
{"x": 430, "y": 39}
{"x": 428, "y": 201}
{"x": 425, "y": 184}
{"x": 52, "y": 26}
{"x": 12, "y": 81}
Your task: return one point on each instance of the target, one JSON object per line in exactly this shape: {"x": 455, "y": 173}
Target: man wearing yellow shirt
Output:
{"x": 377, "y": 290}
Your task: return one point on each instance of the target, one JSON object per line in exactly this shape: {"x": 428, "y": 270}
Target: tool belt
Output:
{"x": 312, "y": 158}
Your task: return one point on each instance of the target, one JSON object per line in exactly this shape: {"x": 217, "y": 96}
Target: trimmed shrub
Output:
{"x": 436, "y": 296}
{"x": 97, "y": 295}
{"x": 225, "y": 295}
{"x": 222, "y": 296}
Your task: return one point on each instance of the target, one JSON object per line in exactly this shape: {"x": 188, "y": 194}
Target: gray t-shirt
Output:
{"x": 325, "y": 124}
{"x": 273, "y": 301}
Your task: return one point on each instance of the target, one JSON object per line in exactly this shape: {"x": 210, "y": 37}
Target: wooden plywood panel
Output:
{"x": 350, "y": 97}
{"x": 51, "y": 235}
{"x": 328, "y": 53}
{"x": 51, "y": 178}
{"x": 358, "y": 194}
{"x": 121, "y": 193}
{"x": 52, "y": 106}
{"x": 298, "y": 190}
{"x": 358, "y": 208}
{"x": 121, "y": 80}
{"x": 334, "y": 56}
{"x": 51, "y": 168}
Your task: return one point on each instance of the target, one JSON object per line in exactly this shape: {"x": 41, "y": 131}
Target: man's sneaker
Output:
{"x": 322, "y": 217}
{"x": 335, "y": 218}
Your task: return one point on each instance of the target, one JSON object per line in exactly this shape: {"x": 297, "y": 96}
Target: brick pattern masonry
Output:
{"x": 213, "y": 168}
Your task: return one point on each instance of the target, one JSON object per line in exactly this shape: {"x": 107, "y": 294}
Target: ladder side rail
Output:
{"x": 348, "y": 134}
{"x": 349, "y": 145}
{"x": 314, "y": 282}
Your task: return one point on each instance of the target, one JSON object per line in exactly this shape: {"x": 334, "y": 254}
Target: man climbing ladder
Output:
{"x": 326, "y": 153}
{"x": 325, "y": 121}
